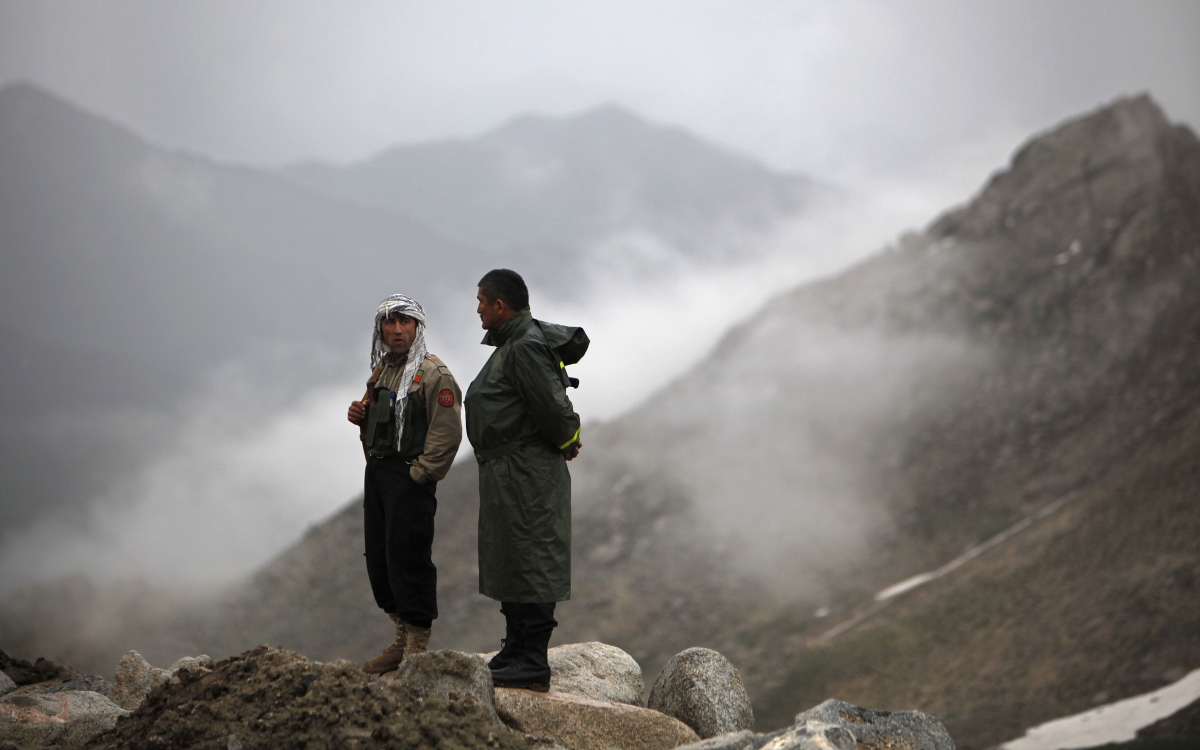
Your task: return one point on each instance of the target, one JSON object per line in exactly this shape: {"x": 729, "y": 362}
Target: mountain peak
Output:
{"x": 1130, "y": 138}
{"x": 607, "y": 120}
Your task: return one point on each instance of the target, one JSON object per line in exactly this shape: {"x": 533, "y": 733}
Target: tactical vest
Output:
{"x": 381, "y": 425}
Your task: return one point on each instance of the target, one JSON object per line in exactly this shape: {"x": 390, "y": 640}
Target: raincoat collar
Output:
{"x": 511, "y": 329}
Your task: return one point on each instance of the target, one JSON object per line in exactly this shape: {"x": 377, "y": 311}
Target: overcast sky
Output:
{"x": 851, "y": 91}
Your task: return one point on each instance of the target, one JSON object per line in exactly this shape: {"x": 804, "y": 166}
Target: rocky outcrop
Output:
{"x": 874, "y": 729}
{"x": 835, "y": 725}
{"x": 576, "y": 723}
{"x": 134, "y": 680}
{"x": 43, "y": 713}
{"x": 6, "y": 684}
{"x": 446, "y": 674}
{"x": 23, "y": 673}
{"x": 703, "y": 690}
{"x": 88, "y": 682}
{"x": 271, "y": 697}
{"x": 203, "y": 661}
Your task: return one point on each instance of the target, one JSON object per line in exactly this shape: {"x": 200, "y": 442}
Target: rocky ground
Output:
{"x": 274, "y": 698}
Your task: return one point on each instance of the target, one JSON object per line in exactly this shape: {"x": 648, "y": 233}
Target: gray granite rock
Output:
{"x": 90, "y": 682}
{"x": 816, "y": 735}
{"x": 703, "y": 690}
{"x": 6, "y": 684}
{"x": 813, "y": 735}
{"x": 34, "y": 716}
{"x": 573, "y": 722}
{"x": 191, "y": 662}
{"x": 597, "y": 671}
{"x": 911, "y": 730}
{"x": 443, "y": 672}
{"x": 134, "y": 680}
{"x": 743, "y": 740}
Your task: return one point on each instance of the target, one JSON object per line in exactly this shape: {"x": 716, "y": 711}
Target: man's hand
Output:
{"x": 358, "y": 413}
{"x": 574, "y": 450}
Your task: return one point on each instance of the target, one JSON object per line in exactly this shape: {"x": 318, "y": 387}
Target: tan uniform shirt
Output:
{"x": 439, "y": 395}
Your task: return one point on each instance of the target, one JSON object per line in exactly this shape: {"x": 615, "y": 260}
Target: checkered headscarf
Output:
{"x": 399, "y": 303}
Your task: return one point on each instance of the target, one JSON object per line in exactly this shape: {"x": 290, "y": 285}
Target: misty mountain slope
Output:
{"x": 1072, "y": 284}
{"x": 936, "y": 393}
{"x": 130, "y": 274}
{"x": 553, "y": 194}
{"x": 1097, "y": 603}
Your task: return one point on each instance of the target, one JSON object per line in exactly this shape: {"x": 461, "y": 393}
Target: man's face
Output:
{"x": 399, "y": 331}
{"x": 491, "y": 312}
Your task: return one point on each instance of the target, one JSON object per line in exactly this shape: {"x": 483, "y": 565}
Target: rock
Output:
{"x": 273, "y": 698}
{"x": 191, "y": 662}
{"x": 134, "y": 680}
{"x": 817, "y": 735}
{"x": 597, "y": 671}
{"x": 811, "y": 735}
{"x": 23, "y": 673}
{"x": 444, "y": 672}
{"x": 576, "y": 723}
{"x": 703, "y": 690}
{"x": 6, "y": 684}
{"x": 87, "y": 682}
{"x": 743, "y": 740}
{"x": 36, "y": 716}
{"x": 907, "y": 730}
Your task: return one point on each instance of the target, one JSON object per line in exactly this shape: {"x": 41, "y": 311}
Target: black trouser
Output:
{"x": 529, "y": 618}
{"x": 398, "y": 524}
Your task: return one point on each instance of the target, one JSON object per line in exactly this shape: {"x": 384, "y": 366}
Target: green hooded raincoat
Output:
{"x": 520, "y": 422}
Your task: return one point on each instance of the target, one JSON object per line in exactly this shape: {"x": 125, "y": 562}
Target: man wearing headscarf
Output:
{"x": 410, "y": 429}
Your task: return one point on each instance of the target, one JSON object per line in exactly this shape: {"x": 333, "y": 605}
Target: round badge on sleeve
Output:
{"x": 446, "y": 397}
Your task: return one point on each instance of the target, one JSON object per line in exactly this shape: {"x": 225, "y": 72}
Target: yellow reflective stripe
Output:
{"x": 574, "y": 437}
{"x": 560, "y": 364}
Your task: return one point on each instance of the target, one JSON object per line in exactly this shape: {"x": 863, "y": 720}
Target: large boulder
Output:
{"x": 6, "y": 684}
{"x": 594, "y": 670}
{"x": 577, "y": 723}
{"x": 134, "y": 680}
{"x": 89, "y": 682}
{"x": 598, "y": 671}
{"x": 910, "y": 730}
{"x": 35, "y": 715}
{"x": 703, "y": 690}
{"x": 442, "y": 673}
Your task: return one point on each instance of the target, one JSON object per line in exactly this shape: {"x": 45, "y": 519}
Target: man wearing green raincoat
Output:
{"x": 524, "y": 430}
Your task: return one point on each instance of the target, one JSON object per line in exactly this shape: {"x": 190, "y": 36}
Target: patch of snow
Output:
{"x": 909, "y": 584}
{"x": 1115, "y": 722}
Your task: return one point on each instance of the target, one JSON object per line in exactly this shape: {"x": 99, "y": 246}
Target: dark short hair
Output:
{"x": 501, "y": 283}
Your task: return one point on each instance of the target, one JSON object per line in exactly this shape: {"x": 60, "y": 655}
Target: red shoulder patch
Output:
{"x": 446, "y": 397}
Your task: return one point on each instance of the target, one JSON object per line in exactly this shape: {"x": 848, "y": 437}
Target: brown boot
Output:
{"x": 393, "y": 654}
{"x": 416, "y": 639}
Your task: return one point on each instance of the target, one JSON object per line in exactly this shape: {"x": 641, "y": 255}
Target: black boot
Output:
{"x": 510, "y": 645}
{"x": 531, "y": 669}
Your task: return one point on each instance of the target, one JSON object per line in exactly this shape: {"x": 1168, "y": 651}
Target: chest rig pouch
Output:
{"x": 381, "y": 423}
